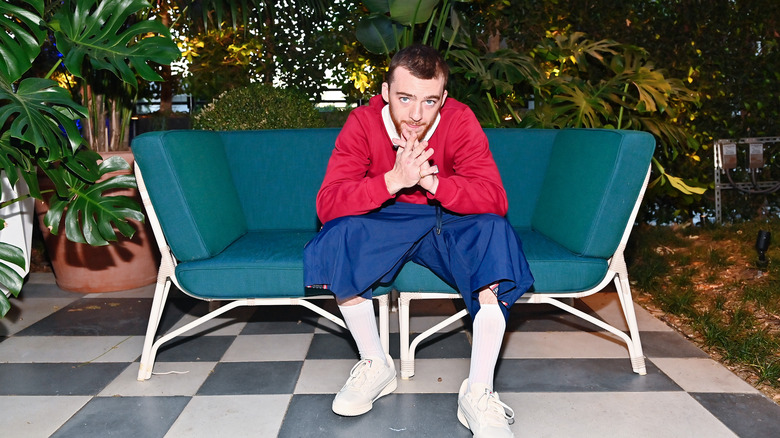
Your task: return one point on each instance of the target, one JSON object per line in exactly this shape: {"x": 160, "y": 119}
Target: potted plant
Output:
{"x": 39, "y": 119}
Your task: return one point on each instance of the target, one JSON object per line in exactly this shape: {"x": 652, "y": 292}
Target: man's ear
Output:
{"x": 385, "y": 92}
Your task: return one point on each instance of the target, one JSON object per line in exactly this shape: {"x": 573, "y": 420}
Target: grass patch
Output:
{"x": 707, "y": 283}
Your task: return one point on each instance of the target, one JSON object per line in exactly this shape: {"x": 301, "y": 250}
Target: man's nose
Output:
{"x": 416, "y": 113}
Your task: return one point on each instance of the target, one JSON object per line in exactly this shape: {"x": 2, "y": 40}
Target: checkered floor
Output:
{"x": 68, "y": 367}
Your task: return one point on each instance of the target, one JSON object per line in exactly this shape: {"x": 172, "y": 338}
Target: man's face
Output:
{"x": 414, "y": 102}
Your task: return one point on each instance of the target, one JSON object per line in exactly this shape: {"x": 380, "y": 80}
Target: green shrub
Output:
{"x": 258, "y": 106}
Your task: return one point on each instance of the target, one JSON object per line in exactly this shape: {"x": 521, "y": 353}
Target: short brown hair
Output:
{"x": 423, "y": 62}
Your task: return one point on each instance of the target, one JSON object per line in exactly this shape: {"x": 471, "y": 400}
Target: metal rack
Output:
{"x": 726, "y": 156}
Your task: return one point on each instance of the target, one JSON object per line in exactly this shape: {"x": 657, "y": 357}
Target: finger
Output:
{"x": 428, "y": 170}
{"x": 425, "y": 155}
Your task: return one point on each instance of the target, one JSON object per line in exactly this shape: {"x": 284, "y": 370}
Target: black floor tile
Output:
{"x": 232, "y": 378}
{"x": 57, "y": 378}
{"x": 669, "y": 344}
{"x": 577, "y": 375}
{"x": 747, "y": 415}
{"x": 46, "y": 290}
{"x": 332, "y": 346}
{"x": 195, "y": 349}
{"x": 547, "y": 318}
{"x": 106, "y": 317}
{"x": 268, "y": 320}
{"x": 95, "y": 317}
{"x": 130, "y": 417}
{"x": 445, "y": 345}
{"x": 412, "y": 415}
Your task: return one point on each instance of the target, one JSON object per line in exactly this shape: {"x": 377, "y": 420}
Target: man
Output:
{"x": 411, "y": 178}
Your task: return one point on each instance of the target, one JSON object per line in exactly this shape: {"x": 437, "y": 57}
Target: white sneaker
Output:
{"x": 481, "y": 411}
{"x": 368, "y": 380}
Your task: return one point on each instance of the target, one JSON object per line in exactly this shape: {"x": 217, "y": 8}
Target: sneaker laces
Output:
{"x": 496, "y": 412}
{"x": 358, "y": 373}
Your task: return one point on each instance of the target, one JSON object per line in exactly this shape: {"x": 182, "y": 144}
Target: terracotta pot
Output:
{"x": 122, "y": 265}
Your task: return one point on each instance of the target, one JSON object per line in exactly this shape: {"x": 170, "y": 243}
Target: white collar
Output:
{"x": 390, "y": 127}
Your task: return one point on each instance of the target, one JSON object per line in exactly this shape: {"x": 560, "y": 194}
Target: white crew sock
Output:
{"x": 361, "y": 323}
{"x": 489, "y": 326}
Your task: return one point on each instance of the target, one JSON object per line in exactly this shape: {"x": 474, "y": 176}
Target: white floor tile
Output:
{"x": 36, "y": 416}
{"x": 562, "y": 345}
{"x": 141, "y": 292}
{"x": 614, "y": 415}
{"x": 325, "y": 325}
{"x": 229, "y": 323}
{"x": 702, "y": 375}
{"x": 41, "y": 278}
{"x": 607, "y": 306}
{"x": 324, "y": 376}
{"x": 71, "y": 349}
{"x": 262, "y": 348}
{"x": 185, "y": 378}
{"x": 231, "y": 416}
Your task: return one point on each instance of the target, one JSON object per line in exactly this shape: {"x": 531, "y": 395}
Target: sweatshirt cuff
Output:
{"x": 377, "y": 190}
{"x": 445, "y": 192}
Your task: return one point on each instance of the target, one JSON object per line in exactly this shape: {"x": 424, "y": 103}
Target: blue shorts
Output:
{"x": 352, "y": 255}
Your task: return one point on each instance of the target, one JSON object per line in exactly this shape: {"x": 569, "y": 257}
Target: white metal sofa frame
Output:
{"x": 616, "y": 271}
{"x": 166, "y": 276}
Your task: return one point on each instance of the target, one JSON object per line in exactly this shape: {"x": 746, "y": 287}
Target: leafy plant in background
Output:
{"x": 604, "y": 84}
{"x": 39, "y": 118}
{"x": 294, "y": 43}
{"x": 258, "y": 106}
{"x": 566, "y": 80}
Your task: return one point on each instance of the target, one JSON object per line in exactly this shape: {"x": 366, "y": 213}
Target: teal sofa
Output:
{"x": 232, "y": 210}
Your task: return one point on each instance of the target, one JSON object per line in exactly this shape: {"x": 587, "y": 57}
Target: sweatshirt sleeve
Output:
{"x": 474, "y": 185}
{"x": 348, "y": 188}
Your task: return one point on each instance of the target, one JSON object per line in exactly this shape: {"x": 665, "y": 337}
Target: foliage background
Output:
{"x": 258, "y": 106}
{"x": 719, "y": 57}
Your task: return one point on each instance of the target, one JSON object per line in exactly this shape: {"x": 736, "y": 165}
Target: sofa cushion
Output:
{"x": 548, "y": 262}
{"x": 591, "y": 186}
{"x": 260, "y": 264}
{"x": 267, "y": 264}
{"x": 189, "y": 182}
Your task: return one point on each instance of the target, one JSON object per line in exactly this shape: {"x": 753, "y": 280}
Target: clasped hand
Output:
{"x": 412, "y": 166}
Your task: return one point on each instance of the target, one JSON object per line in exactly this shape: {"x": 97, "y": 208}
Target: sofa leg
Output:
{"x": 627, "y": 303}
{"x": 384, "y": 321}
{"x": 158, "y": 304}
{"x": 407, "y": 364}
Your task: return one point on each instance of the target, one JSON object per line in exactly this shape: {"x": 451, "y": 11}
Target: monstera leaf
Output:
{"x": 97, "y": 30}
{"x": 13, "y": 157}
{"x": 412, "y": 12}
{"x": 21, "y": 36}
{"x": 379, "y": 34}
{"x": 8, "y": 277}
{"x": 90, "y": 215}
{"x": 37, "y": 110}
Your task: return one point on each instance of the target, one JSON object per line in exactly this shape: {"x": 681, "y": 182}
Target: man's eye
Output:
{"x": 430, "y": 102}
{"x": 404, "y": 99}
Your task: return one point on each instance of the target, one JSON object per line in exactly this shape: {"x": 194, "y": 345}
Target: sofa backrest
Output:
{"x": 277, "y": 174}
{"x": 590, "y": 188}
{"x": 576, "y": 186}
{"x": 188, "y": 178}
{"x": 522, "y": 157}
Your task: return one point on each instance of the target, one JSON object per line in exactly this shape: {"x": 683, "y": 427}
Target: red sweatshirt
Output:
{"x": 469, "y": 182}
